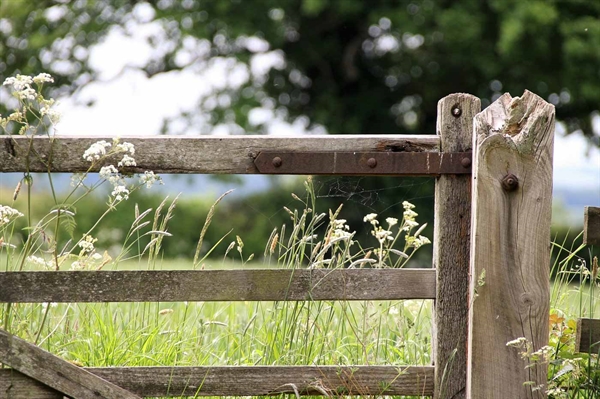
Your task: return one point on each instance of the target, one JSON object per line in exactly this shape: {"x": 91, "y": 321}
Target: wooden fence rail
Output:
{"x": 490, "y": 282}
{"x": 217, "y": 285}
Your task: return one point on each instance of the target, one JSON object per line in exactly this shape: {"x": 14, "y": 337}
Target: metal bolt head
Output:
{"x": 456, "y": 111}
{"x": 465, "y": 162}
{"x": 277, "y": 162}
{"x": 372, "y": 162}
{"x": 510, "y": 182}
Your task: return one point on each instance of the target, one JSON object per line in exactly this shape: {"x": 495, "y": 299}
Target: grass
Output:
{"x": 395, "y": 333}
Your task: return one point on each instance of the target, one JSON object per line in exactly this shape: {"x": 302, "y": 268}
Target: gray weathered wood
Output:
{"x": 510, "y": 253}
{"x": 254, "y": 380}
{"x": 591, "y": 225}
{"x": 55, "y": 372}
{"x": 191, "y": 154}
{"x": 451, "y": 242}
{"x": 14, "y": 385}
{"x": 217, "y": 285}
{"x": 587, "y": 338}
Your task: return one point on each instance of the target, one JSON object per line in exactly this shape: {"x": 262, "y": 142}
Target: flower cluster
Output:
{"x": 28, "y": 97}
{"x": 88, "y": 257}
{"x": 7, "y": 215}
{"x": 96, "y": 151}
{"x": 408, "y": 223}
{"x": 110, "y": 173}
{"x": 340, "y": 228}
{"x": 87, "y": 244}
{"x": 149, "y": 179}
{"x": 387, "y": 238}
{"x": 36, "y": 260}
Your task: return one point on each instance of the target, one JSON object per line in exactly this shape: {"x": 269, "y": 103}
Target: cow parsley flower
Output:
{"x": 126, "y": 161}
{"x": 87, "y": 244}
{"x": 112, "y": 175}
{"x": 371, "y": 218}
{"x": 19, "y": 82}
{"x": 120, "y": 193}
{"x": 8, "y": 214}
{"x": 96, "y": 151}
{"x": 125, "y": 147}
{"x": 42, "y": 78}
{"x": 77, "y": 179}
{"x": 36, "y": 260}
{"x": 149, "y": 178}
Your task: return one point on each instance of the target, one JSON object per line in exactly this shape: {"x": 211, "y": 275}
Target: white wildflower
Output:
{"x": 125, "y": 147}
{"x": 120, "y": 193}
{"x": 52, "y": 114}
{"x": 87, "y": 243}
{"x": 36, "y": 260}
{"x": 77, "y": 179}
{"x": 96, "y": 256}
{"x": 8, "y": 214}
{"x": 19, "y": 82}
{"x": 517, "y": 343}
{"x": 42, "y": 78}
{"x": 371, "y": 218}
{"x": 409, "y": 214}
{"x": 149, "y": 178}
{"x": 96, "y": 151}
{"x": 391, "y": 221}
{"x": 26, "y": 94}
{"x": 420, "y": 241}
{"x": 112, "y": 175}
{"x": 409, "y": 224}
{"x": 407, "y": 205}
{"x": 77, "y": 265}
{"x": 382, "y": 235}
{"x": 126, "y": 161}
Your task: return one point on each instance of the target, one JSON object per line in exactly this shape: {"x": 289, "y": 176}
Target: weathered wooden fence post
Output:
{"x": 510, "y": 252}
{"x": 452, "y": 222}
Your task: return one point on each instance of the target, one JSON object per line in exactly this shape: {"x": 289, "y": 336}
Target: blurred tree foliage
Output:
{"x": 351, "y": 66}
{"x": 346, "y": 66}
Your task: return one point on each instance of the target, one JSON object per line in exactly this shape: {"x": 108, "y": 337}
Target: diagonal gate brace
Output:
{"x": 55, "y": 372}
{"x": 363, "y": 163}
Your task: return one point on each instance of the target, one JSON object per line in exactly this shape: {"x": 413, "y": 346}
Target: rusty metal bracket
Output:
{"x": 364, "y": 163}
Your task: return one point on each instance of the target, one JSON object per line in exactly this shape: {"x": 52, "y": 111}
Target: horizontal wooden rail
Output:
{"x": 193, "y": 154}
{"x": 217, "y": 285}
{"x": 243, "y": 381}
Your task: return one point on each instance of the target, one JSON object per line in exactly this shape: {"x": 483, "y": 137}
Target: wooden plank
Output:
{"x": 364, "y": 163}
{"x": 451, "y": 242}
{"x": 15, "y": 385}
{"x": 257, "y": 380}
{"x": 510, "y": 253}
{"x": 191, "y": 154}
{"x": 217, "y": 285}
{"x": 55, "y": 372}
{"x": 588, "y": 336}
{"x": 591, "y": 225}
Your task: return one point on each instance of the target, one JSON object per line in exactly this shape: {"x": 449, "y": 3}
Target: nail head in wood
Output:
{"x": 456, "y": 111}
{"x": 510, "y": 182}
{"x": 372, "y": 162}
{"x": 465, "y": 162}
{"x": 277, "y": 162}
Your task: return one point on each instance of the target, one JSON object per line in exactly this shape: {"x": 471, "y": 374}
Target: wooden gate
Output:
{"x": 489, "y": 280}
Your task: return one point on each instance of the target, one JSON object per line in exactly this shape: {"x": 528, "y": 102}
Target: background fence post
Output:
{"x": 452, "y": 222}
{"x": 510, "y": 253}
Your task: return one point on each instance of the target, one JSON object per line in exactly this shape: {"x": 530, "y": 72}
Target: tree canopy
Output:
{"x": 352, "y": 66}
